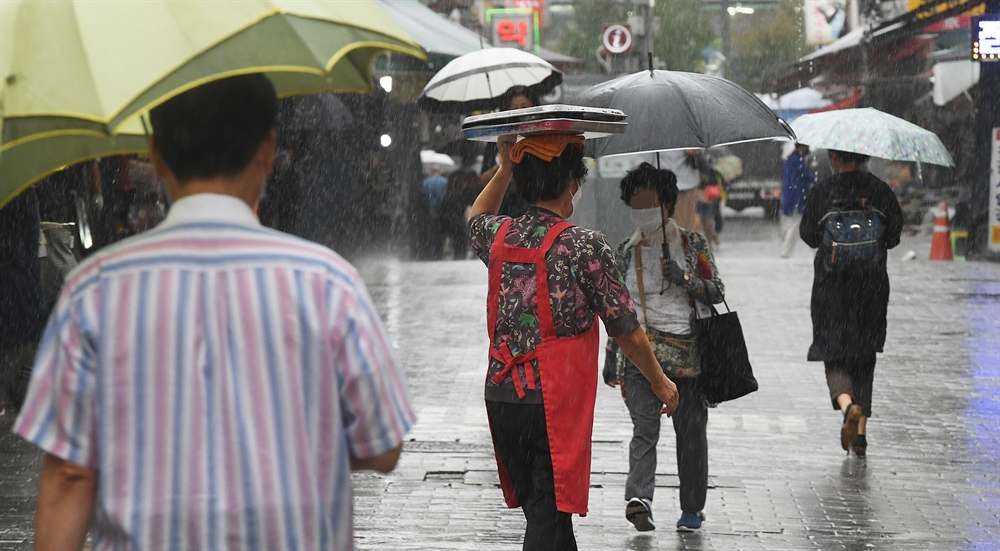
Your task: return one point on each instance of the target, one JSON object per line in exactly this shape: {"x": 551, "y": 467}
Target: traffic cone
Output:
{"x": 941, "y": 243}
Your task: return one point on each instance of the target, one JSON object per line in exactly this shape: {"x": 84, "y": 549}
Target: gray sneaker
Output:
{"x": 640, "y": 513}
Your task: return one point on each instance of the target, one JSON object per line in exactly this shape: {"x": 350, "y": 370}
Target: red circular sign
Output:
{"x": 617, "y": 39}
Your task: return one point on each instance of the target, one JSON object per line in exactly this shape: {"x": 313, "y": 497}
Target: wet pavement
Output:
{"x": 777, "y": 476}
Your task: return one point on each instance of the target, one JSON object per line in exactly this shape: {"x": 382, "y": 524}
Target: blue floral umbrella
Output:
{"x": 871, "y": 132}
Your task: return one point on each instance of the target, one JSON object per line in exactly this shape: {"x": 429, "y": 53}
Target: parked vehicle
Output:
{"x": 743, "y": 193}
{"x": 758, "y": 183}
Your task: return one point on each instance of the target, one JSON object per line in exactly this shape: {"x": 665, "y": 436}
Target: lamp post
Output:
{"x": 647, "y": 24}
{"x": 727, "y": 30}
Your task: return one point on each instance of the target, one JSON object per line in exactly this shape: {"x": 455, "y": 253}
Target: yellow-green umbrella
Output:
{"x": 74, "y": 73}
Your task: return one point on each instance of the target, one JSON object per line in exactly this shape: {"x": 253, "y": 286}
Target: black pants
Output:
{"x": 853, "y": 377}
{"x": 523, "y": 444}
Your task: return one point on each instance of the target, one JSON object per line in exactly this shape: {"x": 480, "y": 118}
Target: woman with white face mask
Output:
{"x": 670, "y": 272}
{"x": 550, "y": 281}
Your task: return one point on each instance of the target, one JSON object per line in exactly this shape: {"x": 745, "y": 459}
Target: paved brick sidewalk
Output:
{"x": 778, "y": 478}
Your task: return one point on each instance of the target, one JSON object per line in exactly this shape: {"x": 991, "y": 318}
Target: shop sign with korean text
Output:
{"x": 986, "y": 38}
{"x": 514, "y": 28}
{"x": 537, "y": 5}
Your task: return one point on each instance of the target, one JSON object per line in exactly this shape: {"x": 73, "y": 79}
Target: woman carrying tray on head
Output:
{"x": 549, "y": 281}
{"x": 668, "y": 281}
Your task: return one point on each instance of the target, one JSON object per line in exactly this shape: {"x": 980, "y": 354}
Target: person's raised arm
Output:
{"x": 488, "y": 174}
{"x": 635, "y": 345}
{"x": 66, "y": 494}
{"x": 491, "y": 197}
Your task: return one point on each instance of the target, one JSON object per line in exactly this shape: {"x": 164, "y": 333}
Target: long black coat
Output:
{"x": 848, "y": 314}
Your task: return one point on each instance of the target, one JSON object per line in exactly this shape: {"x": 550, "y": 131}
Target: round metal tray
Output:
{"x": 589, "y": 129}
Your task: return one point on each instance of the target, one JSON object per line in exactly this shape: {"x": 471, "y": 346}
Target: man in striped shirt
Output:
{"x": 211, "y": 383}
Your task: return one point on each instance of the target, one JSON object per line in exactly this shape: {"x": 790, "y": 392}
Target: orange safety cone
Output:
{"x": 941, "y": 243}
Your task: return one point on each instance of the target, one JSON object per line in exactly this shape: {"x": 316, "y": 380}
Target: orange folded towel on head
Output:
{"x": 544, "y": 146}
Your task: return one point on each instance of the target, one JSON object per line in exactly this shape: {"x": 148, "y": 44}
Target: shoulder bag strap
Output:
{"x": 642, "y": 287}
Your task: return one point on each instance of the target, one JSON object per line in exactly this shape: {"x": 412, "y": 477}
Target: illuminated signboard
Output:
{"x": 986, "y": 38}
{"x": 537, "y": 5}
{"x": 514, "y": 28}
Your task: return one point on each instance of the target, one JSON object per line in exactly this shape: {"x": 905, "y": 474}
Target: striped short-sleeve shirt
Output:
{"x": 219, "y": 376}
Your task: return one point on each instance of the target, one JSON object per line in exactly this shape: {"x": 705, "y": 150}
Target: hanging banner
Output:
{"x": 824, "y": 20}
{"x": 994, "y": 243}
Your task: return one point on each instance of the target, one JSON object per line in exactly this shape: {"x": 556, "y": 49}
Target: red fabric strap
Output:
{"x": 500, "y": 254}
{"x": 510, "y": 362}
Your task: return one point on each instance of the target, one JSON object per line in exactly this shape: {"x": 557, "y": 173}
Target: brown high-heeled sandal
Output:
{"x": 849, "y": 430}
{"x": 860, "y": 445}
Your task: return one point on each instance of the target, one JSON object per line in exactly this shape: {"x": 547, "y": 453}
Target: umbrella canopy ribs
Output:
{"x": 65, "y": 79}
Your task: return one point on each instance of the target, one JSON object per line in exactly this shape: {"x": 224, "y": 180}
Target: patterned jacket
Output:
{"x": 705, "y": 287}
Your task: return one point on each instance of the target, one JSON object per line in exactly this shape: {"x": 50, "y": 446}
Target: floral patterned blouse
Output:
{"x": 583, "y": 281}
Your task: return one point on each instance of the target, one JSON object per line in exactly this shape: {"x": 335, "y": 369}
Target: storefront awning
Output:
{"x": 436, "y": 34}
{"x": 882, "y": 44}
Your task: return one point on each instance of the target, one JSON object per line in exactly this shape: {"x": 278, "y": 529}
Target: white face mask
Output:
{"x": 576, "y": 196}
{"x": 647, "y": 219}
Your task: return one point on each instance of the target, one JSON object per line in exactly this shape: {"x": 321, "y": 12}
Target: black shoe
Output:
{"x": 849, "y": 430}
{"x": 860, "y": 445}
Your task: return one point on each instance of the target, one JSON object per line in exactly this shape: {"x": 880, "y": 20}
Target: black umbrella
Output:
{"x": 677, "y": 110}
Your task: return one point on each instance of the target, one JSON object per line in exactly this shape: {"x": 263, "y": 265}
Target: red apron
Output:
{"x": 568, "y": 369}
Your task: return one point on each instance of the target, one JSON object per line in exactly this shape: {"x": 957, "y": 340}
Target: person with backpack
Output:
{"x": 853, "y": 218}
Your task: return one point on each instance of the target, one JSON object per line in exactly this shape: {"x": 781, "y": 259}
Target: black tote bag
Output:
{"x": 726, "y": 373}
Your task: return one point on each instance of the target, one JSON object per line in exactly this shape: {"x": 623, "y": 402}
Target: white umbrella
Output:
{"x": 478, "y": 80}
{"x": 428, "y": 156}
{"x": 871, "y": 132}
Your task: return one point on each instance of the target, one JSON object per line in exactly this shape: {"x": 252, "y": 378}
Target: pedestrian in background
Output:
{"x": 22, "y": 298}
{"x": 453, "y": 216}
{"x": 549, "y": 282}
{"x": 434, "y": 187}
{"x": 211, "y": 383}
{"x": 688, "y": 166}
{"x": 672, "y": 272}
{"x": 796, "y": 179}
{"x": 850, "y": 293}
{"x": 709, "y": 209}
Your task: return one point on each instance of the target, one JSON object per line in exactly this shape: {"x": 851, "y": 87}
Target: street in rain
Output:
{"x": 500, "y": 274}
